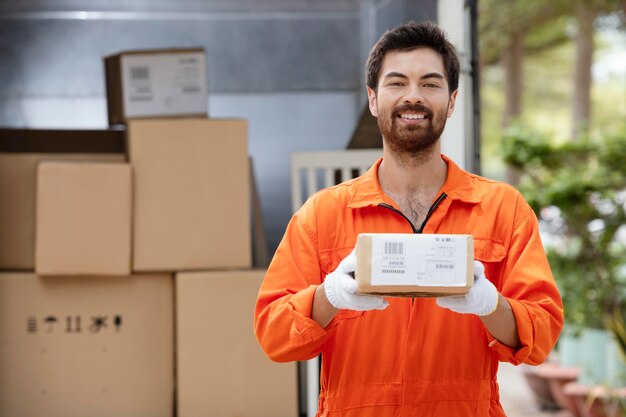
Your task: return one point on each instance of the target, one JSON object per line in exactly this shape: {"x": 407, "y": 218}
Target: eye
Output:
{"x": 395, "y": 84}
{"x": 431, "y": 85}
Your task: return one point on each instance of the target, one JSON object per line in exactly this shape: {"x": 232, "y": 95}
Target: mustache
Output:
{"x": 418, "y": 108}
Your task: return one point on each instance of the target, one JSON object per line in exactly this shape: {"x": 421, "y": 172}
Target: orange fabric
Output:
{"x": 414, "y": 358}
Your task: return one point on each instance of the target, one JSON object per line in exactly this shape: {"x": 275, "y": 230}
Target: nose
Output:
{"x": 413, "y": 95}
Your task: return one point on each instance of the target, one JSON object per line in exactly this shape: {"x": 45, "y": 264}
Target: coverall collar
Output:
{"x": 458, "y": 186}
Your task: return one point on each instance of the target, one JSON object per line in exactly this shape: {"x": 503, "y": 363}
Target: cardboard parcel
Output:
{"x": 156, "y": 83}
{"x": 221, "y": 369}
{"x": 21, "y": 151}
{"x": 18, "y": 189}
{"x": 414, "y": 265}
{"x": 83, "y": 218}
{"x": 77, "y": 347}
{"x": 191, "y": 187}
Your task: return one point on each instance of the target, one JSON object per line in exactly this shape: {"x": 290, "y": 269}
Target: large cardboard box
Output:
{"x": 414, "y": 265}
{"x": 20, "y": 152}
{"x": 83, "y": 218}
{"x": 222, "y": 371}
{"x": 156, "y": 83}
{"x": 191, "y": 194}
{"x": 79, "y": 347}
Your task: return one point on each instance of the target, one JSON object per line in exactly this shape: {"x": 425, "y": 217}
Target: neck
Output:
{"x": 407, "y": 175}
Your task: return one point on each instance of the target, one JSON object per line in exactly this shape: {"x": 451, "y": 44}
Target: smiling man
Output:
{"x": 399, "y": 102}
{"x": 401, "y": 356}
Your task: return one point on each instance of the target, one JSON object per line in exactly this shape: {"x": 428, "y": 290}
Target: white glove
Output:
{"x": 482, "y": 298}
{"x": 340, "y": 289}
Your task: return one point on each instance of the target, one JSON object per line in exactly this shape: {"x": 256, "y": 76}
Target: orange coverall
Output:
{"x": 413, "y": 358}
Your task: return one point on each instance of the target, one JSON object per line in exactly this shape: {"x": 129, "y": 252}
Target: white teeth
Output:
{"x": 413, "y": 116}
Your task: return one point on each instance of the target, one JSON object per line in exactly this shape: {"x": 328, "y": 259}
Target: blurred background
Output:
{"x": 554, "y": 67}
{"x": 553, "y": 124}
{"x": 543, "y": 107}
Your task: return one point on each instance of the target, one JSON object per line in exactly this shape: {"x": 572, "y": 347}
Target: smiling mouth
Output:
{"x": 413, "y": 116}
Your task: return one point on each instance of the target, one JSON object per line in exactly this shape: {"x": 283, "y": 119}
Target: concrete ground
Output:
{"x": 516, "y": 397}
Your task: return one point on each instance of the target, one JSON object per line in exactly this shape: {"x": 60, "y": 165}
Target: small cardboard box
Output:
{"x": 156, "y": 83}
{"x": 21, "y": 150}
{"x": 221, "y": 369}
{"x": 414, "y": 265}
{"x": 83, "y": 218}
{"x": 191, "y": 194}
{"x": 75, "y": 347}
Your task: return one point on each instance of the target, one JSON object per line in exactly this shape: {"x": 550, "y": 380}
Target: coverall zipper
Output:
{"x": 432, "y": 208}
{"x": 430, "y": 212}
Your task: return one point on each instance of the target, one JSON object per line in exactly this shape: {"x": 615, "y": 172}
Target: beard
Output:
{"x": 411, "y": 141}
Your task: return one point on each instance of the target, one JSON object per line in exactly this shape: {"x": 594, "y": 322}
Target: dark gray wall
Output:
{"x": 395, "y": 12}
{"x": 208, "y": 6}
{"x": 63, "y": 56}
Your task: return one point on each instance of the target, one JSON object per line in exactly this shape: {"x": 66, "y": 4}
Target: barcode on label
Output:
{"x": 393, "y": 271}
{"x": 394, "y": 248}
{"x": 139, "y": 73}
{"x": 444, "y": 266}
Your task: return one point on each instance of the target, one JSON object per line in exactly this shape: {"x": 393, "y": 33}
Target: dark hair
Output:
{"x": 411, "y": 36}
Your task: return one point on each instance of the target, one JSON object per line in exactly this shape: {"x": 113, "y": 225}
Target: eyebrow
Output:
{"x": 432, "y": 75}
{"x": 394, "y": 74}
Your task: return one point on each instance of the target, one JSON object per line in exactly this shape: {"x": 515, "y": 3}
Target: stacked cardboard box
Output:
{"x": 86, "y": 346}
{"x": 222, "y": 371}
{"x": 78, "y": 336}
{"x": 192, "y": 184}
{"x": 107, "y": 237}
{"x": 191, "y": 212}
{"x": 156, "y": 83}
{"x": 191, "y": 194}
{"x": 21, "y": 151}
{"x": 83, "y": 219}
{"x": 81, "y": 345}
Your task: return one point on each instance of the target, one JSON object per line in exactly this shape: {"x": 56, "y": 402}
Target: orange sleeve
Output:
{"x": 282, "y": 317}
{"x": 529, "y": 287}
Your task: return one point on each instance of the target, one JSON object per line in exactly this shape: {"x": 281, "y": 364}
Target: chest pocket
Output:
{"x": 489, "y": 250}
{"x": 491, "y": 253}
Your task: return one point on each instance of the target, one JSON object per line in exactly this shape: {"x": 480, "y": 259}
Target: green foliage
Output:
{"x": 578, "y": 190}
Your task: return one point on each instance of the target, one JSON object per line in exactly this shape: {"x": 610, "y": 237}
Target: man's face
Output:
{"x": 412, "y": 101}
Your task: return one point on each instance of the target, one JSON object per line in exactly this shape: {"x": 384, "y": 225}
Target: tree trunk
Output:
{"x": 512, "y": 60}
{"x": 581, "y": 102}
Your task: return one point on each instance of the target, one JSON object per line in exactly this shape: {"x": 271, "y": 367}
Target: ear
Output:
{"x": 452, "y": 102}
{"x": 371, "y": 98}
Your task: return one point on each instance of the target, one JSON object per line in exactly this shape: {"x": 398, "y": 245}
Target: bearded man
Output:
{"x": 402, "y": 356}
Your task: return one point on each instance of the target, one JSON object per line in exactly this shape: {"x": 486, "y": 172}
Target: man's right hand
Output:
{"x": 340, "y": 289}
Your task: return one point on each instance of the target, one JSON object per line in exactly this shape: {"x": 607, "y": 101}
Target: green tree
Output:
{"x": 507, "y": 35}
{"x": 548, "y": 86}
{"x": 578, "y": 190}
{"x": 585, "y": 13}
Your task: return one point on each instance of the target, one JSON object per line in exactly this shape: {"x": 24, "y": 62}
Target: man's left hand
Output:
{"x": 482, "y": 298}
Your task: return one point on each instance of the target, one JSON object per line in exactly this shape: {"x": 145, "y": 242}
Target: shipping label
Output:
{"x": 164, "y": 84}
{"x": 435, "y": 260}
